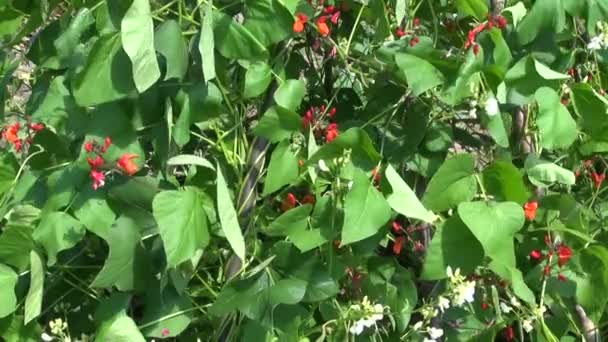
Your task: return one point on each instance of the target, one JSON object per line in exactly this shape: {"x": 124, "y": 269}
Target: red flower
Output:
{"x": 126, "y": 164}
{"x": 300, "y": 23}
{"x": 10, "y": 133}
{"x": 397, "y": 227}
{"x": 399, "y": 32}
{"x": 476, "y": 49}
{"x": 332, "y": 112}
{"x": 107, "y": 141}
{"x": 99, "y": 179}
{"x": 416, "y": 22}
{"x": 308, "y": 199}
{"x": 547, "y": 270}
{"x": 564, "y": 254}
{"x": 308, "y": 119}
{"x": 37, "y": 127}
{"x": 530, "y": 210}
{"x": 323, "y": 28}
{"x": 484, "y": 306}
{"x": 332, "y": 132}
{"x": 502, "y": 21}
{"x": 536, "y": 254}
{"x": 335, "y": 17}
{"x": 289, "y": 202}
{"x": 165, "y": 332}
{"x": 398, "y": 245}
{"x": 509, "y": 333}
{"x": 329, "y": 9}
{"x": 18, "y": 144}
{"x": 88, "y": 146}
{"x": 95, "y": 163}
{"x": 414, "y": 41}
{"x": 562, "y": 277}
{"x": 598, "y": 179}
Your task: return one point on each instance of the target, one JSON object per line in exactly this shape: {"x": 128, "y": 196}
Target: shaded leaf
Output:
{"x": 228, "y": 216}
{"x": 57, "y": 232}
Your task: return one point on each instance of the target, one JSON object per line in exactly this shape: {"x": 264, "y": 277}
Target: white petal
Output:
{"x": 435, "y": 333}
{"x": 322, "y": 166}
{"x": 46, "y": 337}
{"x": 492, "y": 107}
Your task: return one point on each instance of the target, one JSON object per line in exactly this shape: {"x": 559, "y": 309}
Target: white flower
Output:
{"x": 418, "y": 325}
{"x": 435, "y": 333}
{"x": 473, "y": 113}
{"x": 378, "y": 312}
{"x": 356, "y": 328}
{"x": 527, "y": 325}
{"x": 515, "y": 302}
{"x": 492, "y": 106}
{"x": 367, "y": 323}
{"x": 464, "y": 293}
{"x": 428, "y": 340}
{"x": 449, "y": 272}
{"x": 322, "y": 166}
{"x": 595, "y": 43}
{"x": 505, "y": 308}
{"x": 443, "y": 303}
{"x": 46, "y": 337}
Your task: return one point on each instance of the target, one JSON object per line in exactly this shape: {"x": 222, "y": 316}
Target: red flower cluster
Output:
{"x": 11, "y": 133}
{"x": 498, "y": 21}
{"x": 330, "y": 12}
{"x": 530, "y": 210}
{"x": 96, "y": 163}
{"x": 291, "y": 201}
{"x": 596, "y": 177}
{"x": 311, "y": 118}
{"x": 509, "y": 333}
{"x": 563, "y": 252}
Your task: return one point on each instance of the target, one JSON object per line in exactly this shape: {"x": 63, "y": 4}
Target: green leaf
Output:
{"x": 234, "y": 41}
{"x": 57, "y": 232}
{"x": 126, "y": 266}
{"x": 137, "y": 32}
{"x": 8, "y": 172}
{"x": 544, "y": 173}
{"x": 206, "y": 41}
{"x": 182, "y": 223}
{"x": 166, "y": 311}
{"x": 282, "y": 169}
{"x": 33, "y": 301}
{"x": 502, "y": 53}
{"x": 545, "y": 16}
{"x": 91, "y": 209}
{"x": 525, "y": 78}
{"x": 505, "y": 182}
{"x": 452, "y": 184}
{"x": 13, "y": 330}
{"x": 288, "y": 291}
{"x": 16, "y": 242}
{"x": 190, "y": 159}
{"x": 8, "y": 280}
{"x": 106, "y": 75}
{"x": 246, "y": 295}
{"x": 257, "y": 79}
{"x": 514, "y": 275}
{"x": 420, "y": 74}
{"x": 365, "y": 210}
{"x": 518, "y": 12}
{"x": 229, "y": 217}
{"x": 119, "y": 328}
{"x": 293, "y": 219}
{"x": 363, "y": 152}
{"x": 278, "y": 124}
{"x": 199, "y": 102}
{"x": 170, "y": 43}
{"x": 268, "y": 20}
{"x": 290, "y": 94}
{"x": 67, "y": 44}
{"x": 496, "y": 128}
{"x": 403, "y": 200}
{"x": 446, "y": 249}
{"x": 592, "y": 107}
{"x": 475, "y": 8}
{"x": 494, "y": 225}
{"x": 556, "y": 125}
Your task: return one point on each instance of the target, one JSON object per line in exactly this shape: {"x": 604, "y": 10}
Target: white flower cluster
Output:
{"x": 491, "y": 107}
{"x": 462, "y": 291}
{"x": 369, "y": 313}
{"x": 601, "y": 40}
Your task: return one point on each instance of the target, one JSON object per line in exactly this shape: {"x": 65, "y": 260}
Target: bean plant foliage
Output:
{"x": 303, "y": 170}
